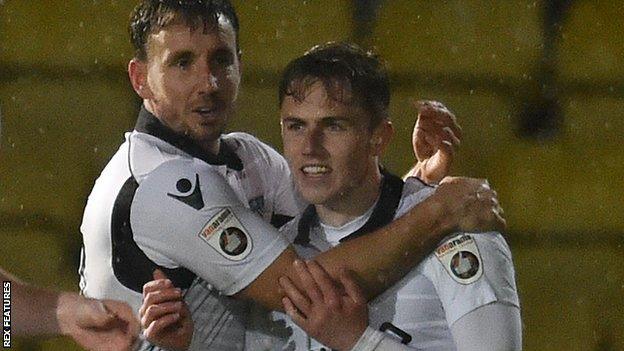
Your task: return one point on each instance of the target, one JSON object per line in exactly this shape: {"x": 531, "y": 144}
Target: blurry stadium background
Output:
{"x": 538, "y": 87}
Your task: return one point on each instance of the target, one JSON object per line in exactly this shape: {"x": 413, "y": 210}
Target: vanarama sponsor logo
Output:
{"x": 449, "y": 245}
{"x": 216, "y": 223}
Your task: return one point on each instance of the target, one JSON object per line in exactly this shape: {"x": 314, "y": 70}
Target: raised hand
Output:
{"x": 435, "y": 137}
{"x": 165, "y": 317}
{"x": 334, "y": 313}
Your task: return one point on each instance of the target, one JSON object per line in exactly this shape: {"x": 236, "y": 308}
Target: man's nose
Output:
{"x": 208, "y": 82}
{"x": 313, "y": 142}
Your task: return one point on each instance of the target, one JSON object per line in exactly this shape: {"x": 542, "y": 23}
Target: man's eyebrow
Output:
{"x": 292, "y": 119}
{"x": 179, "y": 55}
{"x": 332, "y": 119}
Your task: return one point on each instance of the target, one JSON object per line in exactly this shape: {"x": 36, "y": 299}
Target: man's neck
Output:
{"x": 350, "y": 206}
{"x": 210, "y": 147}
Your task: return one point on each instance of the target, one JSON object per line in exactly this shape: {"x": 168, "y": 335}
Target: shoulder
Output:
{"x": 414, "y": 192}
{"x": 181, "y": 190}
{"x": 147, "y": 152}
{"x": 470, "y": 271}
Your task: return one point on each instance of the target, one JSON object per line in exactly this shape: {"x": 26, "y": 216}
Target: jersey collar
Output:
{"x": 383, "y": 213}
{"x": 149, "y": 124}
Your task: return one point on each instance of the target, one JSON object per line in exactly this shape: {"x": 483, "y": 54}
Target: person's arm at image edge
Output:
{"x": 95, "y": 324}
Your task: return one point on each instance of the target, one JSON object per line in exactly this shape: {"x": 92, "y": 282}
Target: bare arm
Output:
{"x": 94, "y": 324}
{"x": 383, "y": 257}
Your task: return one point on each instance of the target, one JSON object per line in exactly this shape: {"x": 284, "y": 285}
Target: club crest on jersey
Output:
{"x": 225, "y": 233}
{"x": 257, "y": 205}
{"x": 461, "y": 259}
{"x": 189, "y": 196}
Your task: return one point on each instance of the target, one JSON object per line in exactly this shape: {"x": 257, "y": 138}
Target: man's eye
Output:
{"x": 335, "y": 127}
{"x": 183, "y": 63}
{"x": 223, "y": 59}
{"x": 294, "y": 126}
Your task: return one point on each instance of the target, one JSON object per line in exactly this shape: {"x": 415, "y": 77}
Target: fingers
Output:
{"x": 428, "y": 138}
{"x": 156, "y": 285}
{"x": 158, "y": 274}
{"x": 308, "y": 284}
{"x": 160, "y": 296}
{"x": 122, "y": 311}
{"x": 155, "y": 312}
{"x": 95, "y": 314}
{"x": 436, "y": 113}
{"x": 292, "y": 311}
{"x": 156, "y": 328}
{"x": 299, "y": 300}
{"x": 352, "y": 289}
{"x": 326, "y": 284}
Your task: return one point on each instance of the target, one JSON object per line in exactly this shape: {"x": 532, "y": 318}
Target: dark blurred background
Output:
{"x": 538, "y": 87}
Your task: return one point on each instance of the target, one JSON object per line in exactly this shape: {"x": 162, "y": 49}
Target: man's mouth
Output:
{"x": 315, "y": 170}
{"x": 208, "y": 112}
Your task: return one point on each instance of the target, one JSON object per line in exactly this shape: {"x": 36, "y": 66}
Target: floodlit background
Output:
{"x": 536, "y": 85}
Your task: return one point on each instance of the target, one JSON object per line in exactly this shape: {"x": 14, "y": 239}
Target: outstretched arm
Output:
{"x": 94, "y": 324}
{"x": 233, "y": 249}
{"x": 383, "y": 257}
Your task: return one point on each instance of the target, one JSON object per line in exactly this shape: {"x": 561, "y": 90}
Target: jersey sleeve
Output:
{"x": 470, "y": 271}
{"x": 185, "y": 213}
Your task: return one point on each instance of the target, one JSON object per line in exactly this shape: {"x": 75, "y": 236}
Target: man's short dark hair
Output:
{"x": 340, "y": 66}
{"x": 150, "y": 16}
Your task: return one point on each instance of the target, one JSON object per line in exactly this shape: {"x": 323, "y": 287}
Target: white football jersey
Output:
{"x": 465, "y": 272}
{"x": 162, "y": 203}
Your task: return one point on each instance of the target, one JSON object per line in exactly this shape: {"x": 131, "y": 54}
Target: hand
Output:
{"x": 471, "y": 205}
{"x": 434, "y": 139}
{"x": 101, "y": 325}
{"x": 335, "y": 316}
{"x": 165, "y": 317}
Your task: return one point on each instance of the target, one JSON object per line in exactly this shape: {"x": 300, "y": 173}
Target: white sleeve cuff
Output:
{"x": 369, "y": 340}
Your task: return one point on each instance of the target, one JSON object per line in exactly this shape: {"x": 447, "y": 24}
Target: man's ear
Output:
{"x": 137, "y": 71}
{"x": 382, "y": 135}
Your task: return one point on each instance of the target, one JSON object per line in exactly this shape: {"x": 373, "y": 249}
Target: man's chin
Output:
{"x": 314, "y": 197}
{"x": 208, "y": 134}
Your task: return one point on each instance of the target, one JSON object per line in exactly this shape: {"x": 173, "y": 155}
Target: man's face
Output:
{"x": 192, "y": 78}
{"x": 328, "y": 145}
